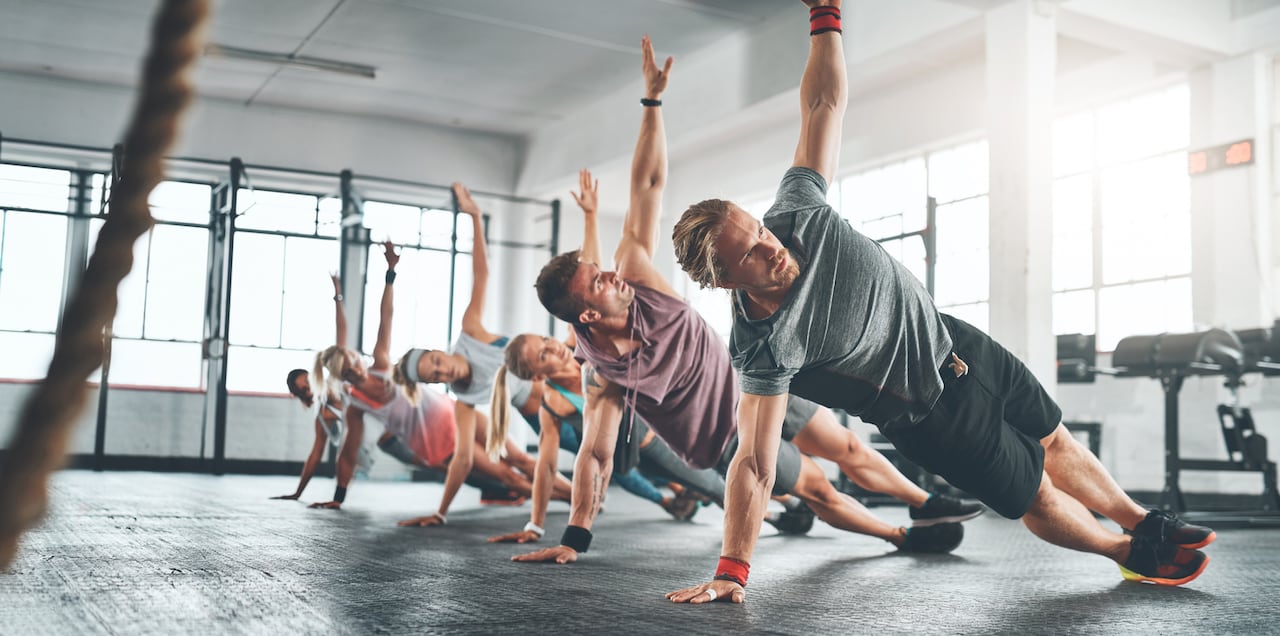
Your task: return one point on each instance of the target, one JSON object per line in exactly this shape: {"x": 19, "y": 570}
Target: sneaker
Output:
{"x": 939, "y": 538}
{"x": 798, "y": 520}
{"x": 501, "y": 498}
{"x": 944, "y": 509}
{"x": 682, "y": 507}
{"x": 1151, "y": 561}
{"x": 1166, "y": 527}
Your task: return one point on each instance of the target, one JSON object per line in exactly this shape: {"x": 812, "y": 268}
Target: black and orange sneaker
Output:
{"x": 944, "y": 509}
{"x": 939, "y": 538}
{"x": 1166, "y": 527}
{"x": 797, "y": 520}
{"x": 1151, "y": 561}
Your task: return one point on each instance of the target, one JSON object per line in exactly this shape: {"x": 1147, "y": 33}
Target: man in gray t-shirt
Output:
{"x": 823, "y": 312}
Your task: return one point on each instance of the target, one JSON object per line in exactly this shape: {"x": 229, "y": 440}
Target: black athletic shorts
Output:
{"x": 983, "y": 434}
{"x": 787, "y": 469}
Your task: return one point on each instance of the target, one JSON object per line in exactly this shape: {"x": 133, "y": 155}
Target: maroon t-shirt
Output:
{"x": 679, "y": 379}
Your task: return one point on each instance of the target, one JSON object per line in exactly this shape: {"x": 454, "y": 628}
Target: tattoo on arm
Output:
{"x": 592, "y": 383}
{"x": 597, "y": 493}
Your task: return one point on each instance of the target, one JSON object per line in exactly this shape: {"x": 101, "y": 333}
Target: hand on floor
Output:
{"x": 709, "y": 592}
{"x": 523, "y": 536}
{"x": 559, "y": 554}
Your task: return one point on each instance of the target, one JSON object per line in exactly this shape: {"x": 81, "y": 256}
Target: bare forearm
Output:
{"x": 649, "y": 164}
{"x": 746, "y": 499}
{"x": 590, "y": 239}
{"x": 479, "y": 255}
{"x": 590, "y": 481}
{"x": 543, "y": 477}
{"x": 459, "y": 468}
{"x": 823, "y": 101}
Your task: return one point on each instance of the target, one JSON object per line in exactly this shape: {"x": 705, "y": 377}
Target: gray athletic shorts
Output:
{"x": 787, "y": 469}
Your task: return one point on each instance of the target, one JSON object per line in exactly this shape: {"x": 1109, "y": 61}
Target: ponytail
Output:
{"x": 495, "y": 443}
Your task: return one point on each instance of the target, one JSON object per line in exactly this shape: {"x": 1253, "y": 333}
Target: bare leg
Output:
{"x": 1063, "y": 521}
{"x": 500, "y": 471}
{"x": 839, "y": 509}
{"x": 1078, "y": 473}
{"x": 824, "y": 437}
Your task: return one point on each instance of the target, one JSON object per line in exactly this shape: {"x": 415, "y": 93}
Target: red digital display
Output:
{"x": 1229, "y": 155}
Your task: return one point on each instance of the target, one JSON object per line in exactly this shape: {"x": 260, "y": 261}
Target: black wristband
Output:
{"x": 391, "y": 276}
{"x": 729, "y": 577}
{"x": 576, "y": 537}
{"x": 645, "y": 101}
{"x": 340, "y": 494}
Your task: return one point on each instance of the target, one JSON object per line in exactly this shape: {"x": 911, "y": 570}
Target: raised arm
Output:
{"x": 824, "y": 93}
{"x": 747, "y": 488}
{"x": 634, "y": 255}
{"x": 471, "y": 324}
{"x": 339, "y": 313}
{"x": 602, "y": 415}
{"x": 382, "y": 348}
{"x": 589, "y": 201}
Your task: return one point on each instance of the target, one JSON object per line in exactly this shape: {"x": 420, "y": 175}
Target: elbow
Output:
{"x": 758, "y": 472}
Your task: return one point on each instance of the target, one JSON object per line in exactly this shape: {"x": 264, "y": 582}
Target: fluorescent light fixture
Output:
{"x": 296, "y": 61}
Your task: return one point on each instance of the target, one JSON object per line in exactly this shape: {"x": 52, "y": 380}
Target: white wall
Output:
{"x": 94, "y": 115}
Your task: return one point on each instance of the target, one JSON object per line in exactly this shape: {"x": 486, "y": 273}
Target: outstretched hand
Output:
{"x": 389, "y": 252}
{"x": 589, "y": 199}
{"x": 523, "y": 536}
{"x": 465, "y": 203}
{"x": 655, "y": 79}
{"x": 327, "y": 505}
{"x": 293, "y": 497}
{"x": 421, "y": 522}
{"x": 559, "y": 554}
{"x": 716, "y": 590}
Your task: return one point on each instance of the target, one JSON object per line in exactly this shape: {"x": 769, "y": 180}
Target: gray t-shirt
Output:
{"x": 856, "y": 331}
{"x": 485, "y": 359}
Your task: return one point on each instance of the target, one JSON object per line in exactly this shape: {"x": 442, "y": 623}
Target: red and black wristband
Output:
{"x": 824, "y": 20}
{"x": 731, "y": 569}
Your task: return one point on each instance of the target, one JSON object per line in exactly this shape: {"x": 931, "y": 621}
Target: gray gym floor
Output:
{"x": 145, "y": 553}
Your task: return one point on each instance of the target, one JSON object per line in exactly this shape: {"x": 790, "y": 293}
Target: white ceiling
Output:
{"x": 533, "y": 71}
{"x": 503, "y": 66}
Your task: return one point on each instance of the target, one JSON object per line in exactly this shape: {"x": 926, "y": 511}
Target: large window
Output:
{"x": 421, "y": 303}
{"x": 282, "y": 308}
{"x": 160, "y": 317}
{"x": 1122, "y": 219}
{"x": 33, "y": 234}
{"x": 890, "y": 204}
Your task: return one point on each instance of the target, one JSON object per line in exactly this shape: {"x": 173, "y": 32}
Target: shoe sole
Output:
{"x": 1130, "y": 575}
{"x": 923, "y": 523}
{"x": 1196, "y": 546}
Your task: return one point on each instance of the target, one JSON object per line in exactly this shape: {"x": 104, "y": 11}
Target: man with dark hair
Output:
{"x": 824, "y": 312}
{"x": 648, "y": 353}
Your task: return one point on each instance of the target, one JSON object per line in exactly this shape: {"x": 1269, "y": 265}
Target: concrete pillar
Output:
{"x": 1232, "y": 269}
{"x": 1021, "y": 60}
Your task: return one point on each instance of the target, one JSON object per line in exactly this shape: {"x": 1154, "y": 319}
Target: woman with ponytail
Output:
{"x": 469, "y": 370}
{"x": 549, "y": 366}
{"x": 419, "y": 422}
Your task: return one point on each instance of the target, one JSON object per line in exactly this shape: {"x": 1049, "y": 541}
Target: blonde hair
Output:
{"x": 695, "y": 237}
{"x": 495, "y": 443}
{"x": 326, "y": 374}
